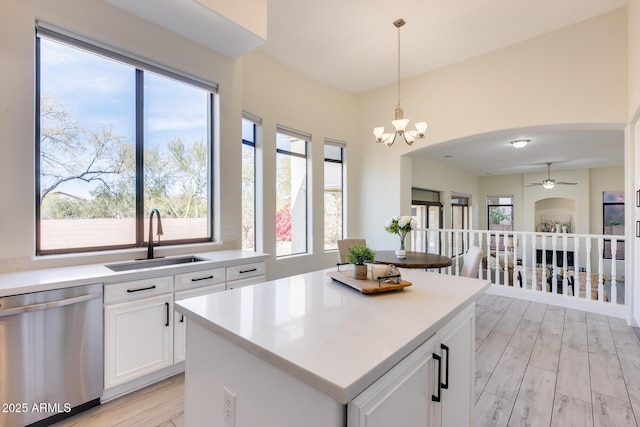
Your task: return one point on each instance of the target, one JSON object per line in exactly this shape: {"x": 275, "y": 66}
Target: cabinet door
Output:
{"x": 180, "y": 323}
{"x": 139, "y": 338}
{"x": 402, "y": 396}
{"x": 456, "y": 343}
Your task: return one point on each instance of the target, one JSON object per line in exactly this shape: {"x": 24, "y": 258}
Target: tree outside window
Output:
{"x": 105, "y": 160}
{"x": 291, "y": 194}
{"x": 333, "y": 195}
{"x": 499, "y": 219}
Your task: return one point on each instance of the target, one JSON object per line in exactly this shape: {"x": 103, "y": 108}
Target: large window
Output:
{"x": 459, "y": 221}
{"x": 333, "y": 191}
{"x": 249, "y": 131}
{"x": 291, "y": 192}
{"x": 116, "y": 138}
{"x": 499, "y": 218}
{"x": 427, "y": 209}
{"x": 613, "y": 221}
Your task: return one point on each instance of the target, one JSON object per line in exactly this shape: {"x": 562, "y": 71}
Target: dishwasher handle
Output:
{"x": 47, "y": 305}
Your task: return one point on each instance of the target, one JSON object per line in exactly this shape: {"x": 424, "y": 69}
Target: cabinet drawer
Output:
{"x": 198, "y": 292}
{"x": 244, "y": 271}
{"x": 197, "y": 279}
{"x": 136, "y": 289}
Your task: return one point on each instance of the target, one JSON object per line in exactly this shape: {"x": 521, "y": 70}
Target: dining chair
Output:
{"x": 345, "y": 244}
{"x": 471, "y": 262}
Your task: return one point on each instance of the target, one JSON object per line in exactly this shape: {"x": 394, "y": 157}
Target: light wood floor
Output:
{"x": 159, "y": 405}
{"x": 541, "y": 365}
{"x": 536, "y": 365}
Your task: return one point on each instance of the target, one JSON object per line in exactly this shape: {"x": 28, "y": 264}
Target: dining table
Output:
{"x": 413, "y": 259}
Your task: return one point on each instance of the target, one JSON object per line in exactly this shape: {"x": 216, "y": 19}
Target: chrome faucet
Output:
{"x": 159, "y": 231}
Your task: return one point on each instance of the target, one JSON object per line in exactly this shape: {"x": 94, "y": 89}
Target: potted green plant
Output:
{"x": 359, "y": 255}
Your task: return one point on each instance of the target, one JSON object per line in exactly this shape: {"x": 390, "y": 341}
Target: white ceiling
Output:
{"x": 566, "y": 148}
{"x": 351, "y": 45}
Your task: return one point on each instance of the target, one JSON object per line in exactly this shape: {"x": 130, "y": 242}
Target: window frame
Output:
{"x": 255, "y": 121}
{"x": 342, "y": 146}
{"x": 288, "y": 132}
{"x": 140, "y": 65}
{"x": 606, "y": 252}
{"x": 461, "y": 202}
{"x": 501, "y": 233}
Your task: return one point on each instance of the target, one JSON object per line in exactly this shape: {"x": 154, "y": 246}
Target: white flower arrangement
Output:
{"x": 400, "y": 225}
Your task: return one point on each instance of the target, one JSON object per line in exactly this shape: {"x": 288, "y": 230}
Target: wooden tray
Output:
{"x": 366, "y": 286}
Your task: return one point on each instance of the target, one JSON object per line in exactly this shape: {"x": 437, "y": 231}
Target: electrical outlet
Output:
{"x": 229, "y": 407}
{"x": 231, "y": 230}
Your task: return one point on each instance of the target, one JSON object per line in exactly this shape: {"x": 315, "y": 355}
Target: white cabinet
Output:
{"x": 402, "y": 396}
{"x": 456, "y": 344}
{"x": 138, "y": 330}
{"x": 179, "y": 324}
{"x": 245, "y": 275}
{"x": 433, "y": 386}
{"x": 144, "y": 338}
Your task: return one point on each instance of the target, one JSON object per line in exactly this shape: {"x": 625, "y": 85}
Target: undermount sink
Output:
{"x": 151, "y": 263}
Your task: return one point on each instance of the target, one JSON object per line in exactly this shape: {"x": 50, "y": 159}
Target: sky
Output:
{"x": 100, "y": 93}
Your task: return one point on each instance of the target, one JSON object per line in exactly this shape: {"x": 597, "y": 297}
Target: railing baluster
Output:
{"x": 600, "y": 268}
{"x": 543, "y": 281}
{"x": 534, "y": 276}
{"x": 576, "y": 267}
{"x": 506, "y": 260}
{"x": 554, "y": 265}
{"x": 613, "y": 292}
{"x": 588, "y": 275}
{"x": 580, "y": 270}
{"x": 524, "y": 262}
{"x": 565, "y": 265}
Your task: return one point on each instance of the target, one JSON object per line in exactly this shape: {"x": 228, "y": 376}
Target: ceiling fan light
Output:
{"x": 520, "y": 143}
{"x": 548, "y": 184}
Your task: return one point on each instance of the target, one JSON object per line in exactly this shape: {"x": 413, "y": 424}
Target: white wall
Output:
{"x": 281, "y": 97}
{"x": 575, "y": 75}
{"x": 437, "y": 176}
{"x": 99, "y": 21}
{"x": 632, "y": 155}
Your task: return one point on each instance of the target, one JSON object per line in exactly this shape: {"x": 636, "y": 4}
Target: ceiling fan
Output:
{"x": 550, "y": 183}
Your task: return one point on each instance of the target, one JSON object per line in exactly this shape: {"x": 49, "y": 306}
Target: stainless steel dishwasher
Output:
{"x": 51, "y": 356}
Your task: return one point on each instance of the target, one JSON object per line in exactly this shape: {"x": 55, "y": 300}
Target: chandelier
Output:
{"x": 400, "y": 123}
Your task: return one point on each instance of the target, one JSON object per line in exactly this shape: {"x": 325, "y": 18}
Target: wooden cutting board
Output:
{"x": 366, "y": 286}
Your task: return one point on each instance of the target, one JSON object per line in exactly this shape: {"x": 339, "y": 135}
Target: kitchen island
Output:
{"x": 307, "y": 350}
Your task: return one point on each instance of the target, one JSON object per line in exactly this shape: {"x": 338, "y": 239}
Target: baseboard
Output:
{"x": 567, "y": 301}
{"x": 138, "y": 383}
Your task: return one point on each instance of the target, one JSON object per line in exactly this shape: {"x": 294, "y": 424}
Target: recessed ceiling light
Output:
{"x": 520, "y": 143}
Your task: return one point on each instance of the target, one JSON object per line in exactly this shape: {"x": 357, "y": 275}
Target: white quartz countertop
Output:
{"x": 63, "y": 277}
{"x": 328, "y": 335}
